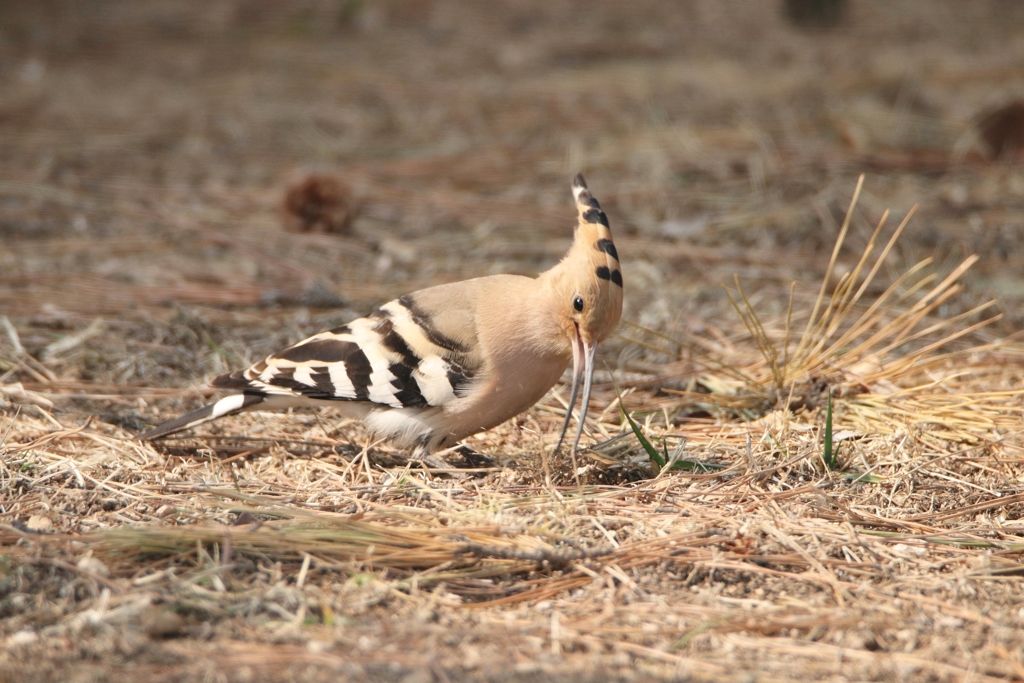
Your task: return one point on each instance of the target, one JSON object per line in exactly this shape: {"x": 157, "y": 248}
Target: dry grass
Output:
{"x": 297, "y": 534}
{"x": 141, "y": 251}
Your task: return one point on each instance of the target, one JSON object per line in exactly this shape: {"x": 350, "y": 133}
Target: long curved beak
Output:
{"x": 582, "y": 368}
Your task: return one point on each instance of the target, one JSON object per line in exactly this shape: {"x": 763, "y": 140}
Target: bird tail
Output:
{"x": 229, "y": 405}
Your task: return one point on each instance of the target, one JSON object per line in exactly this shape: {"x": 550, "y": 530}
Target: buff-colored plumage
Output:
{"x": 440, "y": 364}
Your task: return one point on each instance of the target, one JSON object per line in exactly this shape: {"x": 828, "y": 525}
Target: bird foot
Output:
{"x": 473, "y": 459}
{"x": 469, "y": 459}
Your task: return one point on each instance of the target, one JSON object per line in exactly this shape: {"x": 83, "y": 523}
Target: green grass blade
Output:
{"x": 652, "y": 452}
{"x": 829, "y": 455}
{"x": 688, "y": 465}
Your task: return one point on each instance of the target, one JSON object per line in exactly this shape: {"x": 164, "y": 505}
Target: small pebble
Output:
{"x": 39, "y": 523}
{"x": 23, "y": 637}
{"x": 93, "y": 566}
{"x": 161, "y": 623}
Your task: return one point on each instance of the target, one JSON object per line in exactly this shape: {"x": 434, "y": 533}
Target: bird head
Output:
{"x": 587, "y": 291}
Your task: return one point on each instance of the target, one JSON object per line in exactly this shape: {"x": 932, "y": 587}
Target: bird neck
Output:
{"x": 523, "y": 312}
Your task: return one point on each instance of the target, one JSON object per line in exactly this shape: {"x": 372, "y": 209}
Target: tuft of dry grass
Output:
{"x": 893, "y": 360}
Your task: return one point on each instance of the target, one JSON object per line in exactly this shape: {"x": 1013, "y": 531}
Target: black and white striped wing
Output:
{"x": 394, "y": 357}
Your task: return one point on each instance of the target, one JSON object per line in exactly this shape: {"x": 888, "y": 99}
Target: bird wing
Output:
{"x": 408, "y": 353}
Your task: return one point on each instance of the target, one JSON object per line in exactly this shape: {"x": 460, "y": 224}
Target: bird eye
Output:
{"x": 577, "y": 303}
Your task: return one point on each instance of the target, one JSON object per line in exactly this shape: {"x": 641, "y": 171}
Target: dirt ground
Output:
{"x": 146, "y": 150}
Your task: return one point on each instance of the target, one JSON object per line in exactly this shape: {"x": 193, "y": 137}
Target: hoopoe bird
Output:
{"x": 428, "y": 369}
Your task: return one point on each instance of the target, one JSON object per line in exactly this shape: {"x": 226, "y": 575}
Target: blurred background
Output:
{"x": 187, "y": 186}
